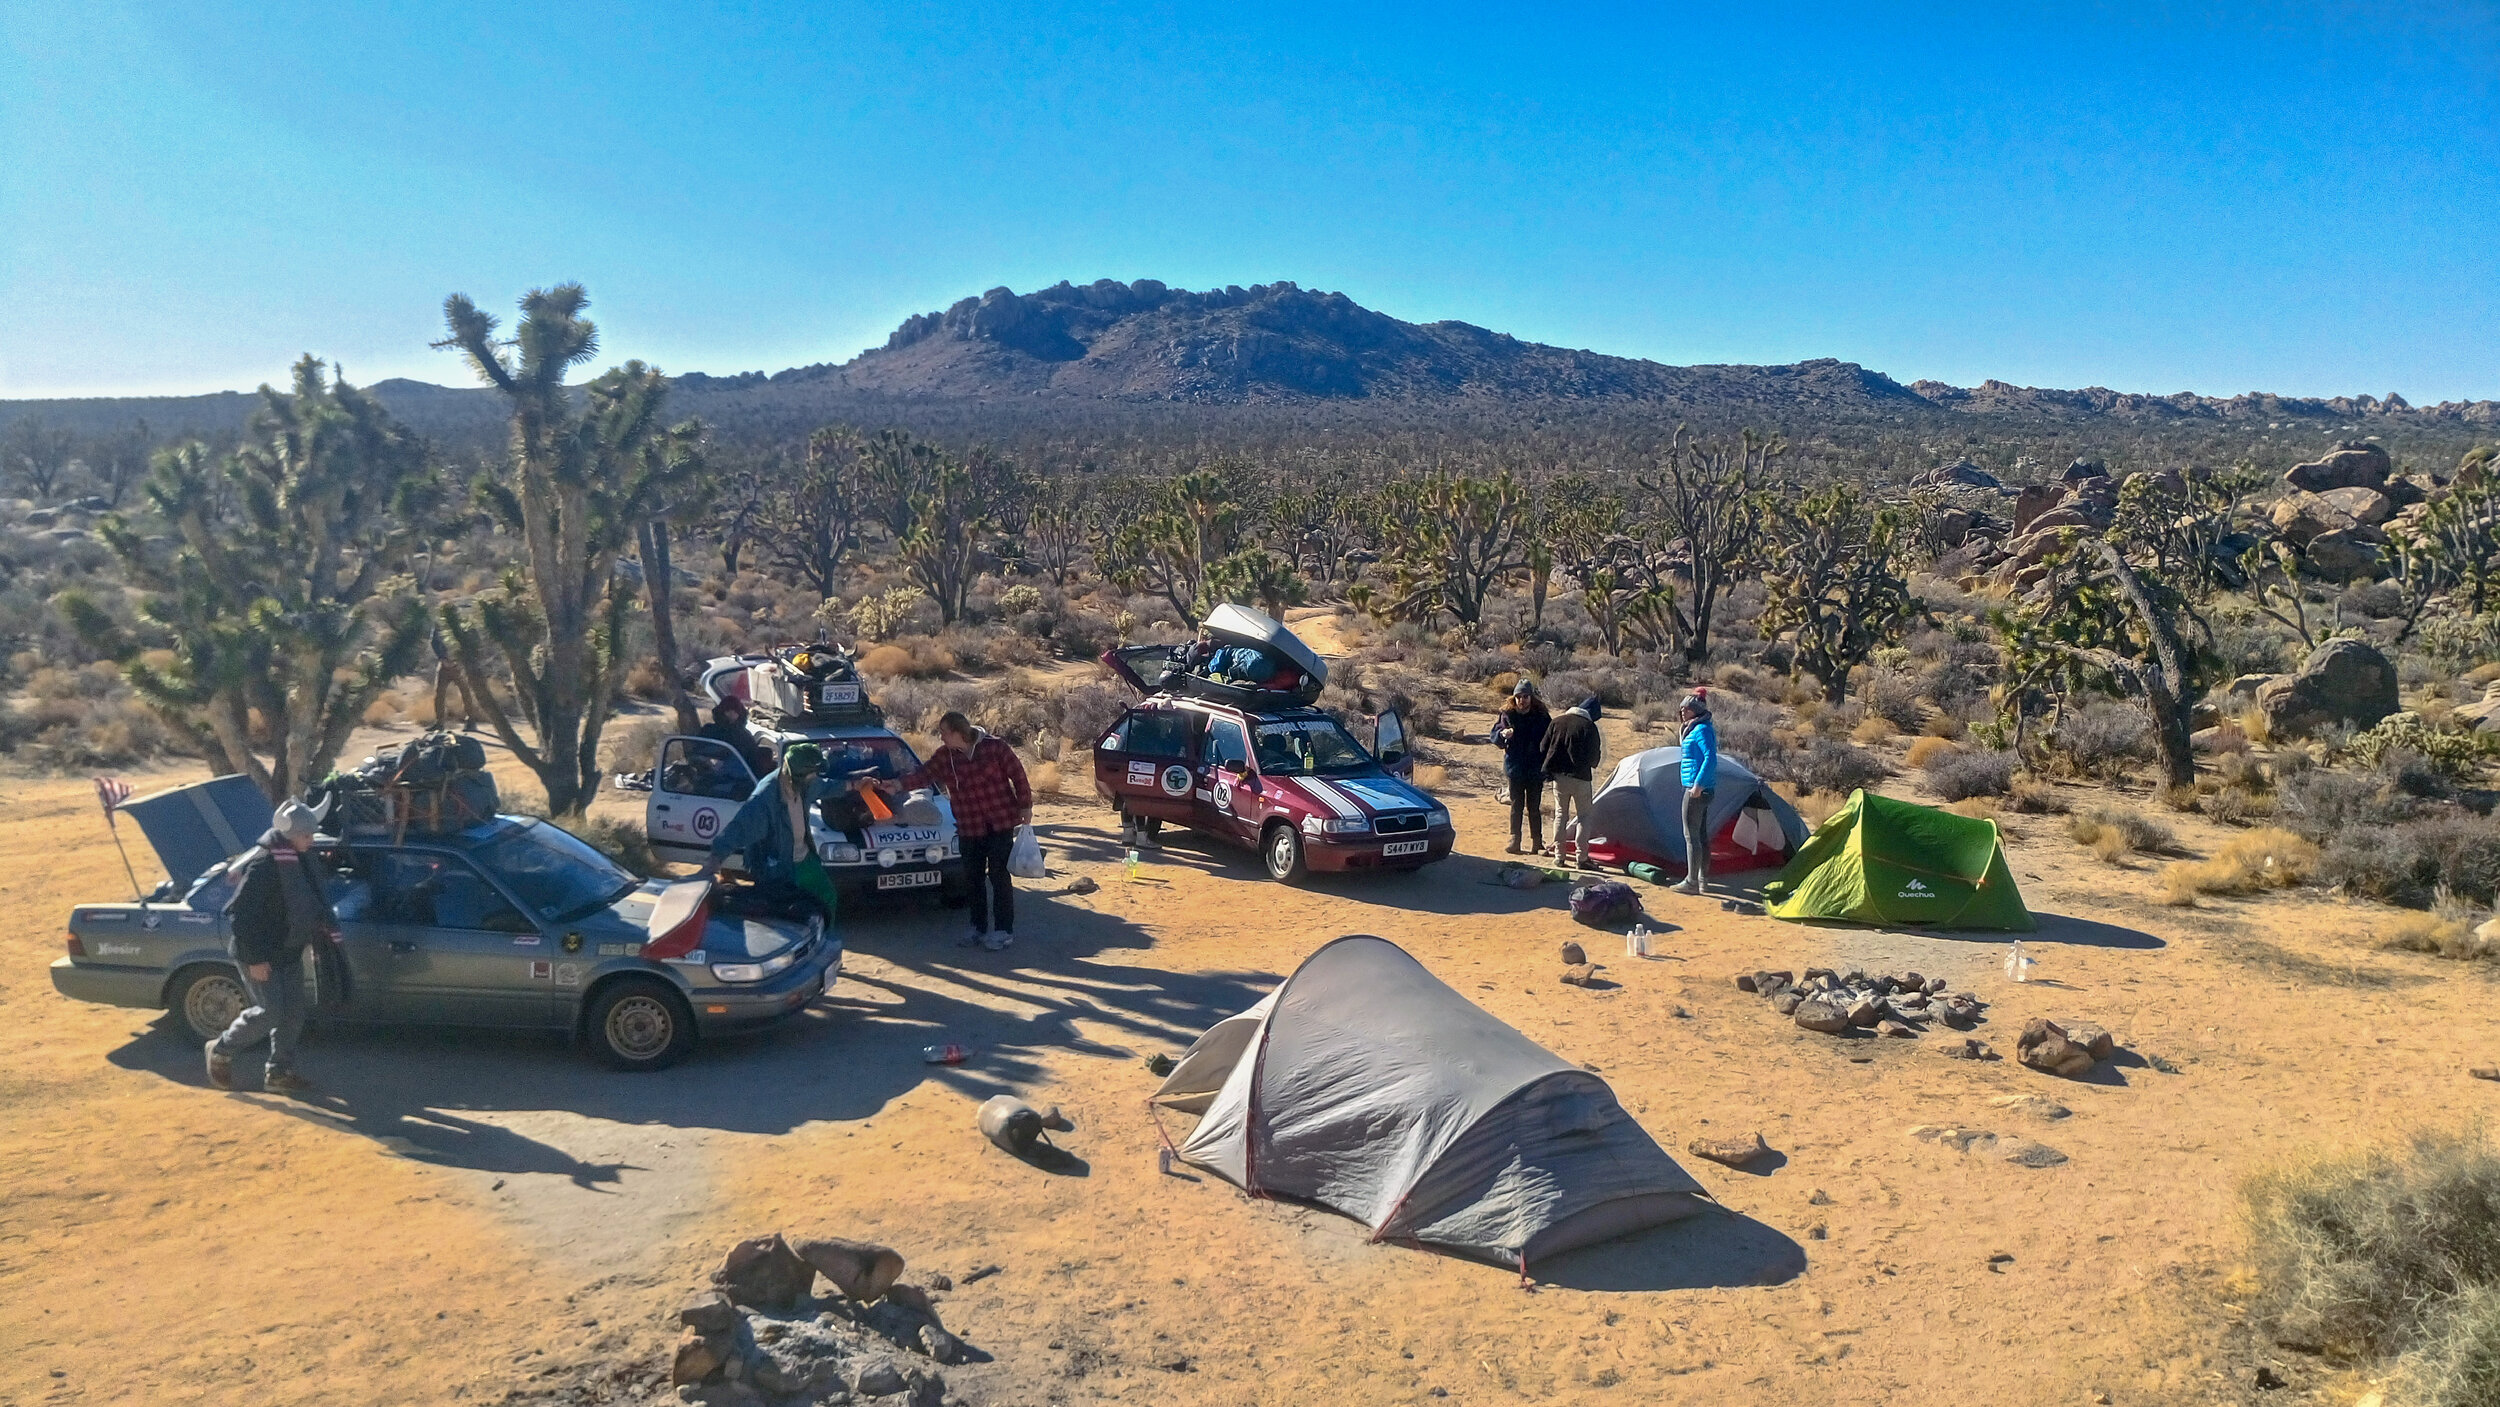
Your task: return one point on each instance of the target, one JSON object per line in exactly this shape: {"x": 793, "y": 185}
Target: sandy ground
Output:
{"x": 463, "y": 1214}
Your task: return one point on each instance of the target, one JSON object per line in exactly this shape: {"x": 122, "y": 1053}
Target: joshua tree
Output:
{"x": 1835, "y": 584}
{"x": 282, "y": 590}
{"x": 1448, "y": 539}
{"x": 1709, "y": 496}
{"x": 576, "y": 484}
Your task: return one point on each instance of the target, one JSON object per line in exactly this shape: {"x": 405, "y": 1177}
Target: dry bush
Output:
{"x": 1893, "y": 697}
{"x": 1927, "y": 749}
{"x": 1944, "y": 725}
{"x": 388, "y": 708}
{"x": 2103, "y": 739}
{"x": 1045, "y": 778}
{"x": 1959, "y": 773}
{"x": 1431, "y": 777}
{"x": 1834, "y": 720}
{"x": 1831, "y": 766}
{"x": 1646, "y": 716}
{"x": 1874, "y": 728}
{"x": 633, "y": 745}
{"x": 620, "y": 840}
{"x": 2391, "y": 1254}
{"x": 2238, "y": 806}
{"x": 2243, "y": 770}
{"x": 2409, "y": 862}
{"x": 650, "y": 683}
{"x": 1978, "y": 808}
{"x": 421, "y": 710}
{"x": 910, "y": 657}
{"x": 2229, "y": 739}
{"x": 2183, "y": 800}
{"x": 2112, "y": 831}
{"x": 2448, "y": 929}
{"x": 2032, "y": 796}
{"x": 2268, "y": 857}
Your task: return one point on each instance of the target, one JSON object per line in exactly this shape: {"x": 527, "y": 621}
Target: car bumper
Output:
{"x": 786, "y": 994}
{"x": 864, "y": 879}
{"x": 108, "y": 986}
{"x": 1331, "y": 853}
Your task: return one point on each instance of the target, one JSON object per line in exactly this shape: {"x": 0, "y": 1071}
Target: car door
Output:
{"x": 1391, "y": 747}
{"x": 1227, "y": 787}
{"x": 699, "y": 784}
{"x": 458, "y": 950}
{"x": 1152, "y": 762}
{"x": 369, "y": 965}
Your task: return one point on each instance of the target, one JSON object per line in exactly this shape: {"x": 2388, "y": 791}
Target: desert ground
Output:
{"x": 463, "y": 1217}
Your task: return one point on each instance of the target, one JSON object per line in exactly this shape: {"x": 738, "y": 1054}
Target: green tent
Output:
{"x": 1878, "y": 860}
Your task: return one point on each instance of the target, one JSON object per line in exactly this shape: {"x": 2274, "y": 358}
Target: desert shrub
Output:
{"x": 1020, "y": 599}
{"x": 386, "y": 709}
{"x": 2449, "y": 928}
{"x": 908, "y": 657}
{"x": 2229, "y": 739}
{"x": 1830, "y": 765}
{"x": 2388, "y": 1254}
{"x": 2410, "y": 862}
{"x": 1893, "y": 697}
{"x": 620, "y": 840}
{"x": 634, "y": 745}
{"x": 2237, "y": 806}
{"x": 1085, "y": 710}
{"x": 1952, "y": 684}
{"x": 1745, "y": 733}
{"x": 1648, "y": 714}
{"x": 891, "y": 612}
{"x": 1019, "y": 717}
{"x": 2250, "y": 645}
{"x": 1927, "y": 749}
{"x": 649, "y": 682}
{"x": 1959, "y": 773}
{"x": 1874, "y": 728}
{"x": 1834, "y": 720}
{"x": 2453, "y": 756}
{"x": 2268, "y": 857}
{"x": 2103, "y": 738}
{"x": 1941, "y": 724}
{"x": 915, "y": 705}
{"x": 2321, "y": 802}
{"x": 2457, "y": 641}
{"x": 1978, "y": 808}
{"x": 2035, "y": 797}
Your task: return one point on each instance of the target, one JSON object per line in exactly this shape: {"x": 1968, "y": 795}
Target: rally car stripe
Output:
{"x": 1334, "y": 799}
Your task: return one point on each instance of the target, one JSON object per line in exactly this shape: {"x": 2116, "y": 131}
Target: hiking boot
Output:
{"x": 1511, "y": 849}
{"x": 220, "y": 1067}
{"x": 998, "y": 942}
{"x": 286, "y": 1082}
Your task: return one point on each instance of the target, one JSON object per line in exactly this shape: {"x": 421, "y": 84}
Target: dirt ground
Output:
{"x": 462, "y": 1215}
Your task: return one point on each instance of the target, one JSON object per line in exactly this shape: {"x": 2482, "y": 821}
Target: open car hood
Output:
{"x": 193, "y": 826}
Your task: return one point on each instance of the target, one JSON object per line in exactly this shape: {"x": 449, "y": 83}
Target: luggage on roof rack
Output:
{"x": 1253, "y": 662}
{"x": 433, "y": 784}
{"x": 804, "y": 684}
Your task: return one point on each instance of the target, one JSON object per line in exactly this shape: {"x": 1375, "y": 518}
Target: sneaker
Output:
{"x": 1684, "y": 889}
{"x": 975, "y": 939}
{"x": 286, "y": 1082}
{"x": 999, "y": 942}
{"x": 220, "y": 1067}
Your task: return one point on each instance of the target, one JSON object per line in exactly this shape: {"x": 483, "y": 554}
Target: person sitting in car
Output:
{"x": 729, "y": 725}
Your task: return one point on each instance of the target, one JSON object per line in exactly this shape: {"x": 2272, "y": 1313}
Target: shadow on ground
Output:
{"x": 859, "y": 1047}
{"x": 1717, "y": 1250}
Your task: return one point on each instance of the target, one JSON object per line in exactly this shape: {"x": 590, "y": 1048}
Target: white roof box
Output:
{"x": 1243, "y": 626}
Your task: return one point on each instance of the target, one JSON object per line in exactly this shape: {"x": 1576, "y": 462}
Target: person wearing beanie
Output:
{"x": 729, "y": 725}
{"x": 769, "y": 835}
{"x": 1701, "y": 779}
{"x": 1572, "y": 750}
{"x": 1519, "y": 731}
{"x": 279, "y": 909}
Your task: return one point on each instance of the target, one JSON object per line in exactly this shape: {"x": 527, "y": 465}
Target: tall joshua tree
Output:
{"x": 577, "y": 481}
{"x": 281, "y": 584}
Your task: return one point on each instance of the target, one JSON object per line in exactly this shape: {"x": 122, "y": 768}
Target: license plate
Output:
{"x": 1395, "y": 848}
{"x": 838, "y": 694}
{"x": 923, "y": 879}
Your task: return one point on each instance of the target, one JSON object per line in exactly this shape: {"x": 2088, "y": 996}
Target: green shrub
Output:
{"x": 2456, "y": 756}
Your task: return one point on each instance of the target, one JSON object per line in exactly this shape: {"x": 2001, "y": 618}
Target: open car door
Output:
{"x": 699, "y": 784}
{"x": 1390, "y": 746}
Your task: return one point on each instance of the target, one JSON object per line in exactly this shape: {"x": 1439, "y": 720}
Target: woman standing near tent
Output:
{"x": 1701, "y": 779}
{"x": 1519, "y": 731}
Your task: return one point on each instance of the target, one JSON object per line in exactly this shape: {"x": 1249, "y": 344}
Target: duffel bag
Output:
{"x": 1607, "y": 903}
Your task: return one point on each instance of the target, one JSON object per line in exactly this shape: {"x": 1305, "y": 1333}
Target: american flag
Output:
{"x": 110, "y": 793}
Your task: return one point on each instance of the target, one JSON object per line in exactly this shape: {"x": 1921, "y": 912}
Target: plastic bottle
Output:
{"x": 1128, "y": 867}
{"x": 947, "y": 1054}
{"x": 1636, "y": 942}
{"x": 2018, "y": 964}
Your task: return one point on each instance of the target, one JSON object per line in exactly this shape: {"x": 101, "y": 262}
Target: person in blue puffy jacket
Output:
{"x": 1701, "y": 780}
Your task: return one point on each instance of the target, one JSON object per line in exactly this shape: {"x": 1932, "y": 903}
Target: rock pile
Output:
{"x": 2066, "y": 1051}
{"x": 1833, "y": 1001}
{"x": 761, "y": 1338}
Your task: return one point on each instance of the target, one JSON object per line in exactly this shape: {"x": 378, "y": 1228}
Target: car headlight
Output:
{"x": 843, "y": 854}
{"x": 888, "y": 856}
{"x": 1437, "y": 816}
{"x": 1345, "y": 825}
{"x": 752, "y": 971}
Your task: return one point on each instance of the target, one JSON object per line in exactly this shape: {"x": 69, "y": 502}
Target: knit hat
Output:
{"x": 803, "y": 760}
{"x": 1524, "y": 689}
{"x": 1697, "y": 701}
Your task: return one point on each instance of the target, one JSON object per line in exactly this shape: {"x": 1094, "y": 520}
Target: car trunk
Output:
{"x": 192, "y": 827}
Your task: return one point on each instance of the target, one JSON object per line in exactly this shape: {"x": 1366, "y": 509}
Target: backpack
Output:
{"x": 1606, "y": 903}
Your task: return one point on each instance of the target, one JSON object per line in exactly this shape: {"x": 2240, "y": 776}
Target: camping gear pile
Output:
{"x": 433, "y": 784}
{"x": 1832, "y": 1001}
{"x": 1885, "y": 861}
{"x": 1637, "y": 818}
{"x": 1608, "y": 903}
{"x": 797, "y": 685}
{"x": 1257, "y": 663}
{"x": 1367, "y": 1085}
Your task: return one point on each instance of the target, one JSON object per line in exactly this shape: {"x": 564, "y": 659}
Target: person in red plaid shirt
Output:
{"x": 984, "y": 779}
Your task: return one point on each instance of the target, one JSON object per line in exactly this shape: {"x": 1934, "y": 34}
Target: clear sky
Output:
{"x": 2303, "y": 199}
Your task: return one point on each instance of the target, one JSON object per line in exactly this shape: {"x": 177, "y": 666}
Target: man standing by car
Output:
{"x": 771, "y": 838}
{"x": 1701, "y": 779}
{"x": 278, "y": 910}
{"x": 1571, "y": 752}
{"x": 1519, "y": 731}
{"x": 984, "y": 779}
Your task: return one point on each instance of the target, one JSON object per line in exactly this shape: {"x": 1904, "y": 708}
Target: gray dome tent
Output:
{"x": 1366, "y": 1085}
{"x": 1638, "y": 816}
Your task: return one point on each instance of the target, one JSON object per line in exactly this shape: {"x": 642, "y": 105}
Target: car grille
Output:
{"x": 1400, "y": 824}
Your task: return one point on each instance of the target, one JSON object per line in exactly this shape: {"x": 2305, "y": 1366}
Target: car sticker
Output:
{"x": 1330, "y": 797}
{"x": 1142, "y": 773}
{"x": 526, "y": 940}
{"x": 1382, "y": 796}
{"x": 115, "y": 950}
{"x": 151, "y": 921}
{"x": 572, "y": 942}
{"x": 1176, "y": 780}
{"x": 1223, "y": 796}
{"x": 106, "y": 917}
{"x": 568, "y": 974}
{"x": 706, "y": 822}
{"x": 195, "y": 918}
{"x": 611, "y": 950}
{"x": 541, "y": 971}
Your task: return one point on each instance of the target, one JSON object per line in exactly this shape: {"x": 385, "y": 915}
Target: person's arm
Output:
{"x": 1706, "y": 771}
{"x": 1017, "y": 783}
{"x": 746, "y": 826}
{"x": 256, "y": 911}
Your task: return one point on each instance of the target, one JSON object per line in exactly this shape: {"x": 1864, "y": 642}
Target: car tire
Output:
{"x": 639, "y": 1023}
{"x": 204, "y": 999}
{"x": 1281, "y": 851}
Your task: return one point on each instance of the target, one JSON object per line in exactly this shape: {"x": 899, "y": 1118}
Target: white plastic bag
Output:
{"x": 1024, "y": 859}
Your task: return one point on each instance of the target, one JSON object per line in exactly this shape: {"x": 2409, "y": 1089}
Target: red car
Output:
{"x": 1289, "y": 782}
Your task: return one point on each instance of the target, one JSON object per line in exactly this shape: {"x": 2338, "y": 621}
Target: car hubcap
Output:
{"x": 212, "y": 1004}
{"x": 1280, "y": 854}
{"x": 640, "y": 1027}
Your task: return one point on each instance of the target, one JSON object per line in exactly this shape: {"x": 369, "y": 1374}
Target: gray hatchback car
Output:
{"x": 512, "y": 923}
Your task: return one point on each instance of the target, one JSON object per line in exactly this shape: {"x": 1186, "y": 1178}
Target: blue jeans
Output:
{"x": 276, "y": 1015}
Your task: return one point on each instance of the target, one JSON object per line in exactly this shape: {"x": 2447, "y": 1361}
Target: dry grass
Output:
{"x": 2268, "y": 857}
{"x": 1045, "y": 778}
{"x": 1927, "y": 749}
{"x": 2252, "y": 725}
{"x": 1431, "y": 776}
{"x": 2449, "y": 928}
{"x": 2034, "y": 797}
{"x": 911, "y": 657}
{"x": 1944, "y": 725}
{"x": 2114, "y": 832}
{"x": 2390, "y": 1256}
{"x": 1983, "y": 808}
{"x": 389, "y": 708}
{"x": 1874, "y": 728}
{"x": 2229, "y": 738}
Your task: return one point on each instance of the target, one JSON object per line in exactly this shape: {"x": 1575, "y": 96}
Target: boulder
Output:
{"x": 1962, "y": 473}
{"x": 1970, "y": 1048}
{"x": 1573, "y": 955}
{"x": 1970, "y": 559}
{"x": 2044, "y": 1047}
{"x": 1786, "y": 1003}
{"x": 2367, "y": 505}
{"x": 2405, "y": 490}
{"x": 2343, "y": 681}
{"x": 1734, "y": 1152}
{"x": 2093, "y": 1038}
{"x": 708, "y": 1313}
{"x": 1865, "y": 1011}
{"x": 1953, "y": 525}
{"x": 2353, "y": 465}
{"x": 1011, "y": 1124}
{"x": 2066, "y": 515}
{"x": 860, "y": 1270}
{"x": 2083, "y": 469}
{"x": 2304, "y": 517}
{"x": 2023, "y": 1153}
{"x": 1579, "y": 974}
{"x": 1894, "y": 1028}
{"x": 2344, "y": 556}
{"x": 697, "y": 1358}
{"x": 764, "y": 1273}
{"x": 2032, "y": 502}
{"x": 878, "y": 1378}
{"x": 2245, "y": 687}
{"x": 941, "y": 1345}
{"x": 2483, "y": 715}
{"x": 1822, "y": 1016}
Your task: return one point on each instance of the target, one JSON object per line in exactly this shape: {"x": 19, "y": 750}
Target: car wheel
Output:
{"x": 206, "y": 999}
{"x": 640, "y": 1023}
{"x": 1283, "y": 852}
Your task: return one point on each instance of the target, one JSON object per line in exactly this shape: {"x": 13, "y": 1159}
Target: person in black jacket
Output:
{"x": 729, "y": 725}
{"x": 1571, "y": 753}
{"x": 1519, "y": 731}
{"x": 278, "y": 910}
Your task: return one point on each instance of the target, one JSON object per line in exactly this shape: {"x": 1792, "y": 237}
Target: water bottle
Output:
{"x": 1128, "y": 867}
{"x": 1636, "y": 942}
{"x": 2018, "y": 964}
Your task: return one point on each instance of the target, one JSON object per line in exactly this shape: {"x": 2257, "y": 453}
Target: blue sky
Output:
{"x": 2296, "y": 199}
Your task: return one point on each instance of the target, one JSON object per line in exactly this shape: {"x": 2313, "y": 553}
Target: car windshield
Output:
{"x": 555, "y": 874}
{"x": 882, "y": 758}
{"x": 1307, "y": 746}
